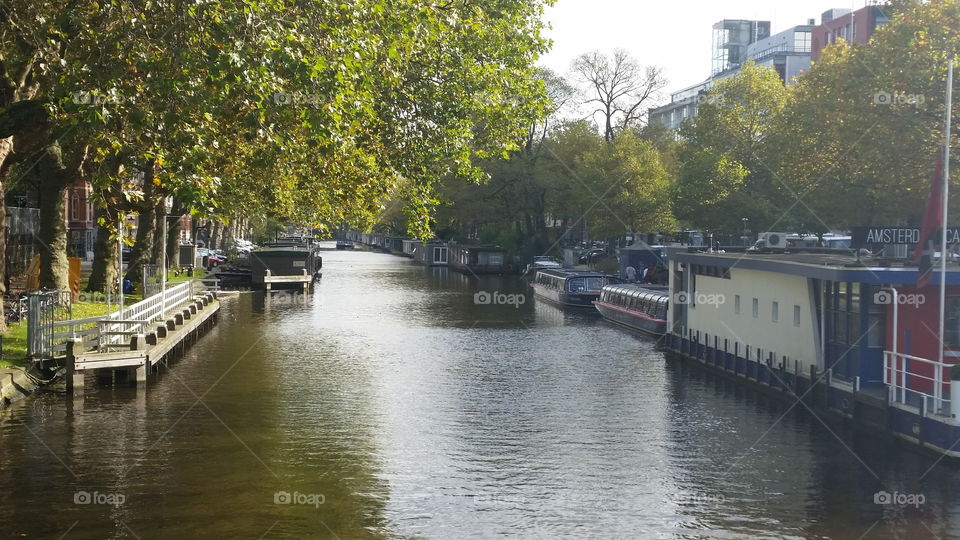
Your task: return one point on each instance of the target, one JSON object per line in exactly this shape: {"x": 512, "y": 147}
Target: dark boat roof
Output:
{"x": 572, "y": 272}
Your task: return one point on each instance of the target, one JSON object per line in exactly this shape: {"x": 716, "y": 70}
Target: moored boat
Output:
{"x": 636, "y": 307}
{"x": 569, "y": 287}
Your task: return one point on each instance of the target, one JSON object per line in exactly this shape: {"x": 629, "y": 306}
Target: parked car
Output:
{"x": 540, "y": 262}
{"x": 211, "y": 257}
{"x": 592, "y": 256}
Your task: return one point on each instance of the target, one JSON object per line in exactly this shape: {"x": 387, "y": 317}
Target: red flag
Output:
{"x": 930, "y": 230}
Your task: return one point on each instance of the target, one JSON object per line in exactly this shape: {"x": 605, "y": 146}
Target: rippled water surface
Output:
{"x": 391, "y": 405}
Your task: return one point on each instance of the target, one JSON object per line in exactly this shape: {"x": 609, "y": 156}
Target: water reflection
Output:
{"x": 392, "y": 404}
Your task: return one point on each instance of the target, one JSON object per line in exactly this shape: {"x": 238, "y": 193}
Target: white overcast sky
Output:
{"x": 674, "y": 35}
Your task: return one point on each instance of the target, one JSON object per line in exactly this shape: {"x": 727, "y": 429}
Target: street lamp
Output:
{"x": 167, "y": 208}
{"x": 746, "y": 239}
{"x": 128, "y": 220}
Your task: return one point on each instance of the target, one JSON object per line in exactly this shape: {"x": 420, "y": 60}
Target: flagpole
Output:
{"x": 946, "y": 191}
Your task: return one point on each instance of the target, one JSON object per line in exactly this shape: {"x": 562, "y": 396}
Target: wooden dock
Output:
{"x": 141, "y": 350}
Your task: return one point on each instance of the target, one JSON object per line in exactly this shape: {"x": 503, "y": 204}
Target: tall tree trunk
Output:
{"x": 6, "y": 148}
{"x": 159, "y": 217}
{"x": 173, "y": 243}
{"x": 215, "y": 234}
{"x": 143, "y": 245}
{"x": 55, "y": 176}
{"x": 228, "y": 234}
{"x": 103, "y": 274}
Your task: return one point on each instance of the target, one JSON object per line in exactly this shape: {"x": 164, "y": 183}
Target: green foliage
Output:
{"x": 860, "y": 140}
{"x": 853, "y": 143}
{"x": 728, "y": 161}
{"x": 314, "y": 112}
{"x": 630, "y": 188}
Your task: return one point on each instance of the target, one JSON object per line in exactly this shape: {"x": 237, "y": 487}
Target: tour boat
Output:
{"x": 569, "y": 287}
{"x": 635, "y": 307}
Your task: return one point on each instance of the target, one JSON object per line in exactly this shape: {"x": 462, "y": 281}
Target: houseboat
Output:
{"x": 432, "y": 253}
{"x": 410, "y": 247}
{"x": 396, "y": 245}
{"x": 479, "y": 259}
{"x": 854, "y": 337}
{"x": 635, "y": 307}
{"x": 569, "y": 287}
{"x": 285, "y": 265}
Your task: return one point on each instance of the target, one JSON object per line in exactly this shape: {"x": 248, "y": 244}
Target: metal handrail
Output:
{"x": 114, "y": 327}
{"x": 897, "y": 368}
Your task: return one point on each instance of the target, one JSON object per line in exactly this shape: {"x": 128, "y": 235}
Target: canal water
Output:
{"x": 392, "y": 405}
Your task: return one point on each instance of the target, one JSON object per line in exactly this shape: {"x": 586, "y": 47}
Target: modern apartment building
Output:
{"x": 736, "y": 42}
{"x": 787, "y": 52}
{"x": 852, "y": 26}
{"x": 731, "y": 39}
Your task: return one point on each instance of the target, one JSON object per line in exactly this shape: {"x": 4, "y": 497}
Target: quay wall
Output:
{"x": 15, "y": 384}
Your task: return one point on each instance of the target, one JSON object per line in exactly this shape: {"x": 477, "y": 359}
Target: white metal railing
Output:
{"x": 116, "y": 328}
{"x": 900, "y": 370}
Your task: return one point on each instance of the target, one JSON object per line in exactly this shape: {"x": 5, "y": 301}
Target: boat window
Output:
{"x": 594, "y": 283}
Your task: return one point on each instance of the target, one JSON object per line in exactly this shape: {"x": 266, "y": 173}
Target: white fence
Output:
{"x": 116, "y": 328}
{"x": 900, "y": 370}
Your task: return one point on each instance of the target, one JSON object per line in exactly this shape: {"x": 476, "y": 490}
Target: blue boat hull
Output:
{"x": 581, "y": 300}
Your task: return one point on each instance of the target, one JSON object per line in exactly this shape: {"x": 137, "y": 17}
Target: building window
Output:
{"x": 801, "y": 42}
{"x": 756, "y": 308}
{"x": 952, "y": 325}
{"x": 796, "y": 315}
{"x": 736, "y": 304}
{"x": 775, "y": 315}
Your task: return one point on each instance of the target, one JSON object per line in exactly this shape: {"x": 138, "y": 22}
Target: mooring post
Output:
{"x": 142, "y": 373}
{"x": 75, "y": 380}
{"x": 266, "y": 279}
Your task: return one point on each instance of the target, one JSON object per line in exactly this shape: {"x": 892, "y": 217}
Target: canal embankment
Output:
{"x": 17, "y": 384}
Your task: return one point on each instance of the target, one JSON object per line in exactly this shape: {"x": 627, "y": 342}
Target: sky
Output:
{"x": 674, "y": 35}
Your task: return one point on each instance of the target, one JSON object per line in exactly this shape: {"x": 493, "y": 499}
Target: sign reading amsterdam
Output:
{"x": 891, "y": 236}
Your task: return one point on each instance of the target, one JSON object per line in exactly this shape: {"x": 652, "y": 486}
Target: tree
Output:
{"x": 512, "y": 202}
{"x": 860, "y": 141}
{"x": 729, "y": 164}
{"x": 630, "y": 188}
{"x": 619, "y": 88}
{"x": 312, "y": 112}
